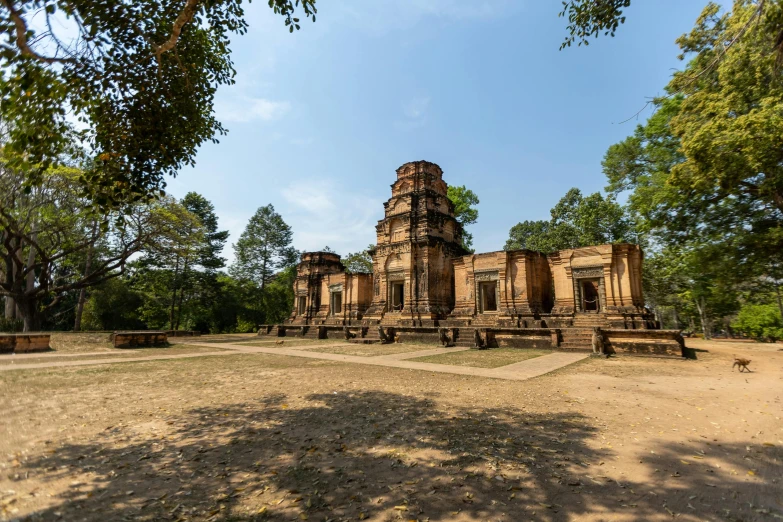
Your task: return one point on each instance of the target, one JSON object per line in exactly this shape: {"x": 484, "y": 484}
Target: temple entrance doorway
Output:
{"x": 398, "y": 296}
{"x": 336, "y": 306}
{"x": 489, "y": 301}
{"x": 590, "y": 296}
{"x": 301, "y": 306}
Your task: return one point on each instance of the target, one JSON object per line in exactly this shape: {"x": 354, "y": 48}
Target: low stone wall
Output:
{"x": 139, "y": 339}
{"x": 644, "y": 342}
{"x": 538, "y": 338}
{"x": 24, "y": 343}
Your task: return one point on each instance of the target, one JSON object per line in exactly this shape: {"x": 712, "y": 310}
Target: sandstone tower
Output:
{"x": 416, "y": 242}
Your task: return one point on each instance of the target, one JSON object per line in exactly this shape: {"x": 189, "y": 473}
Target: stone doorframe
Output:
{"x": 483, "y": 276}
{"x": 589, "y": 272}
{"x": 336, "y": 289}
{"x": 392, "y": 278}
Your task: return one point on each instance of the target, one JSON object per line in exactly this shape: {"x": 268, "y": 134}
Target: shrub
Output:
{"x": 761, "y": 322}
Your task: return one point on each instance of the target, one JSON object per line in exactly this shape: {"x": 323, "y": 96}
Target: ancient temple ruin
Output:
{"x": 423, "y": 279}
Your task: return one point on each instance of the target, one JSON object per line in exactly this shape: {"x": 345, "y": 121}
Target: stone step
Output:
{"x": 569, "y": 345}
{"x": 365, "y": 341}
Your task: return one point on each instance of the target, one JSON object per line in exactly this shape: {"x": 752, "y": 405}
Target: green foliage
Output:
{"x": 264, "y": 248}
{"x": 588, "y": 18}
{"x": 762, "y": 322}
{"x": 114, "y": 305}
{"x": 464, "y": 201}
{"x": 704, "y": 175}
{"x": 141, "y": 77}
{"x": 48, "y": 231}
{"x": 359, "y": 262}
{"x": 11, "y": 325}
{"x": 576, "y": 221}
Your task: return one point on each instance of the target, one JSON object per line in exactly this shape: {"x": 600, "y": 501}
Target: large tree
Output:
{"x": 704, "y": 175}
{"x": 49, "y": 231}
{"x": 264, "y": 248}
{"x": 140, "y": 76}
{"x": 576, "y": 221}
{"x": 167, "y": 264}
{"x": 199, "y": 276}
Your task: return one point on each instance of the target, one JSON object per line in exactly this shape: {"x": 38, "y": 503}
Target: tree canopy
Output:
{"x": 140, "y": 77}
{"x": 465, "y": 201}
{"x": 576, "y": 221}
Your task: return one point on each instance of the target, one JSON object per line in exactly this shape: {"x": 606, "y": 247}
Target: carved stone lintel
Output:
{"x": 487, "y": 276}
{"x": 587, "y": 272}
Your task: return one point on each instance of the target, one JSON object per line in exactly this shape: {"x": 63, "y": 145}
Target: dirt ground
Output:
{"x": 270, "y": 437}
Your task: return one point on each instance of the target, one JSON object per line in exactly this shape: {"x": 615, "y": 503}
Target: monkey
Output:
{"x": 443, "y": 336}
{"x": 382, "y": 334}
{"x": 397, "y": 338}
{"x": 279, "y": 342}
{"x": 598, "y": 341}
{"x": 477, "y": 341}
{"x": 348, "y": 334}
{"x": 741, "y": 363}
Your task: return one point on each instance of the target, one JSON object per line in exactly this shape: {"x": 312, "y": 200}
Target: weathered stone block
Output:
{"x": 140, "y": 339}
{"x": 24, "y": 343}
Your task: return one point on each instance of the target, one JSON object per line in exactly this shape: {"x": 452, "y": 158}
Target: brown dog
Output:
{"x": 279, "y": 342}
{"x": 742, "y": 363}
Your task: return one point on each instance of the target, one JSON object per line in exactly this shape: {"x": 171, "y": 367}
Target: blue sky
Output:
{"x": 320, "y": 119}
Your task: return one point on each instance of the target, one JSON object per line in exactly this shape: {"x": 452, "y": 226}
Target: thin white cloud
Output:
{"x": 323, "y": 213}
{"x": 414, "y": 113}
{"x": 242, "y": 109}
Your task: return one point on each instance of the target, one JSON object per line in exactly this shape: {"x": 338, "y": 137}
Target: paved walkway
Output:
{"x": 520, "y": 371}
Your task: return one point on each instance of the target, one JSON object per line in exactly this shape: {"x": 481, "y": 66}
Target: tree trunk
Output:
{"x": 677, "y": 322}
{"x": 780, "y": 300}
{"x": 182, "y": 291}
{"x": 77, "y": 324}
{"x": 174, "y": 295}
{"x": 701, "y": 306}
{"x": 29, "y": 309}
{"x": 29, "y": 312}
{"x": 10, "y": 304}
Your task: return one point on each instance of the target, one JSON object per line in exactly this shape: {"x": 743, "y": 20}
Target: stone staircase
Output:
{"x": 311, "y": 333}
{"x": 389, "y": 319}
{"x": 484, "y": 321}
{"x": 580, "y": 336}
{"x": 372, "y": 337}
{"x": 576, "y": 339}
{"x": 590, "y": 320}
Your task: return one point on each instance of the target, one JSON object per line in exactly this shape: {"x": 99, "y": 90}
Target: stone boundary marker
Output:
{"x": 139, "y": 339}
{"x": 24, "y": 343}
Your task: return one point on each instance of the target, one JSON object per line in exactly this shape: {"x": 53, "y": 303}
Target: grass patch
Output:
{"x": 493, "y": 358}
{"x": 289, "y": 341}
{"x": 372, "y": 350}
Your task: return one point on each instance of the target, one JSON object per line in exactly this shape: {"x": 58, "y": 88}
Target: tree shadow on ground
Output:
{"x": 380, "y": 456}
